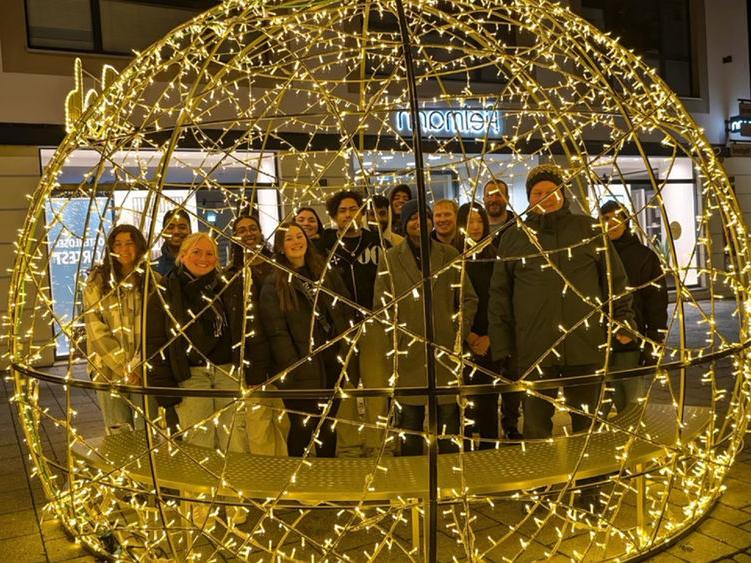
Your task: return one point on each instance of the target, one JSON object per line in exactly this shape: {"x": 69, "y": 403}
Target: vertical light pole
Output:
{"x": 431, "y": 506}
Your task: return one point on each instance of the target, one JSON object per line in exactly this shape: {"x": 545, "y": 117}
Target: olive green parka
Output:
{"x": 549, "y": 293}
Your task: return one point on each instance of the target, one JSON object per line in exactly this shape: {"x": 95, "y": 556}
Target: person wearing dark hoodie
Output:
{"x": 303, "y": 308}
{"x": 650, "y": 302}
{"x": 400, "y": 195}
{"x": 355, "y": 251}
{"x": 175, "y": 227}
{"x": 554, "y": 279}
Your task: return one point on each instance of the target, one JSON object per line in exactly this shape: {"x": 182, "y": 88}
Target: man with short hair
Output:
{"x": 356, "y": 253}
{"x": 650, "y": 302}
{"x": 552, "y": 282}
{"x": 495, "y": 200}
{"x": 401, "y": 293}
{"x": 175, "y": 227}
{"x": 444, "y": 221}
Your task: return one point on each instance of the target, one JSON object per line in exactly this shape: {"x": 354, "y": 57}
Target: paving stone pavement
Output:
{"x": 25, "y": 536}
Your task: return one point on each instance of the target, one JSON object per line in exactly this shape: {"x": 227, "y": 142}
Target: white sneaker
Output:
{"x": 236, "y": 515}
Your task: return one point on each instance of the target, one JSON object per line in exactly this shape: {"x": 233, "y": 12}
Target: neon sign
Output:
{"x": 465, "y": 122}
{"x": 736, "y": 124}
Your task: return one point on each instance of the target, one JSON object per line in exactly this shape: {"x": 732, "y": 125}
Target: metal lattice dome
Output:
{"x": 276, "y": 104}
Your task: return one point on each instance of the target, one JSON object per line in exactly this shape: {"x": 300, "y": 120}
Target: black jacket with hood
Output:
{"x": 650, "y": 303}
{"x": 534, "y": 314}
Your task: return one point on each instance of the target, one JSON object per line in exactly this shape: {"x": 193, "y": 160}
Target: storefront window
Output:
{"x": 450, "y": 176}
{"x": 212, "y": 188}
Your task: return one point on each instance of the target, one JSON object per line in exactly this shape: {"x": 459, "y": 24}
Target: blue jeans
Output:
{"x": 196, "y": 413}
{"x": 412, "y": 417}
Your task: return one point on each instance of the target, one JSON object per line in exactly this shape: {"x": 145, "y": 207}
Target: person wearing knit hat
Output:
{"x": 545, "y": 188}
{"x": 409, "y": 209}
{"x": 545, "y": 312}
{"x": 398, "y": 290}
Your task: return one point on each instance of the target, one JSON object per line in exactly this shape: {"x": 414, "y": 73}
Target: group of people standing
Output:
{"x": 552, "y": 295}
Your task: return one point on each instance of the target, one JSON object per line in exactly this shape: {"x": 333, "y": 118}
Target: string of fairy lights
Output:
{"x": 316, "y": 86}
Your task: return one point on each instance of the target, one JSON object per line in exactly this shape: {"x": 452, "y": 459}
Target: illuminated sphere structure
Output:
{"x": 256, "y": 103}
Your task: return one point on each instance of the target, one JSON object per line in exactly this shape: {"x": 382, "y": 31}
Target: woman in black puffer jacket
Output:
{"x": 288, "y": 300}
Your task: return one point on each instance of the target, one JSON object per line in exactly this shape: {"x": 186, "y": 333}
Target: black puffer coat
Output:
{"x": 530, "y": 303}
{"x": 289, "y": 332}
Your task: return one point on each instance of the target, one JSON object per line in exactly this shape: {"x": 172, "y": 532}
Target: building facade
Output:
{"x": 700, "y": 48}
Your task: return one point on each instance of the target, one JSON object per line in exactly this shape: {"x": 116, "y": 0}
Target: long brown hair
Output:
{"x": 313, "y": 260}
{"x": 110, "y": 270}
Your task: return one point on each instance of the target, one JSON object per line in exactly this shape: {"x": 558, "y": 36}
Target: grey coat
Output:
{"x": 450, "y": 295}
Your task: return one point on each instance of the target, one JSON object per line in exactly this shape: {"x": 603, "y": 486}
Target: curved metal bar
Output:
{"x": 464, "y": 390}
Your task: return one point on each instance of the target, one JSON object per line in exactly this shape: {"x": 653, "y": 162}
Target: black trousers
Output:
{"x": 484, "y": 409}
{"x": 301, "y": 433}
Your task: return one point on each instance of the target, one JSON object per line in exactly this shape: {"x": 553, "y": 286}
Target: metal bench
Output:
{"x": 510, "y": 468}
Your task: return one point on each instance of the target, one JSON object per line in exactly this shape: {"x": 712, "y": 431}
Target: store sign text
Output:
{"x": 475, "y": 122}
{"x": 737, "y": 122}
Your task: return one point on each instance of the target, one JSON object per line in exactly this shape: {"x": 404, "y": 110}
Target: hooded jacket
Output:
{"x": 650, "y": 303}
{"x": 357, "y": 267}
{"x": 531, "y": 306}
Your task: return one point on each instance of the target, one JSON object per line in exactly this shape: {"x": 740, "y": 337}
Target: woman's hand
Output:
{"x": 480, "y": 345}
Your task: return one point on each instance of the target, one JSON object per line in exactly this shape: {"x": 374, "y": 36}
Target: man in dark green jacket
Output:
{"x": 550, "y": 309}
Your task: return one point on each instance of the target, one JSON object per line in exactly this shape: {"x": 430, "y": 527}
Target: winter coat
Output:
{"x": 650, "y": 303}
{"x": 258, "y": 366}
{"x": 399, "y": 276}
{"x": 113, "y": 328}
{"x": 166, "y": 261}
{"x": 214, "y": 334}
{"x": 479, "y": 268}
{"x": 289, "y": 332}
{"x": 357, "y": 268}
{"x": 530, "y": 303}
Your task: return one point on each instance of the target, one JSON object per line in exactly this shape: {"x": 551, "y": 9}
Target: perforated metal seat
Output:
{"x": 642, "y": 436}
